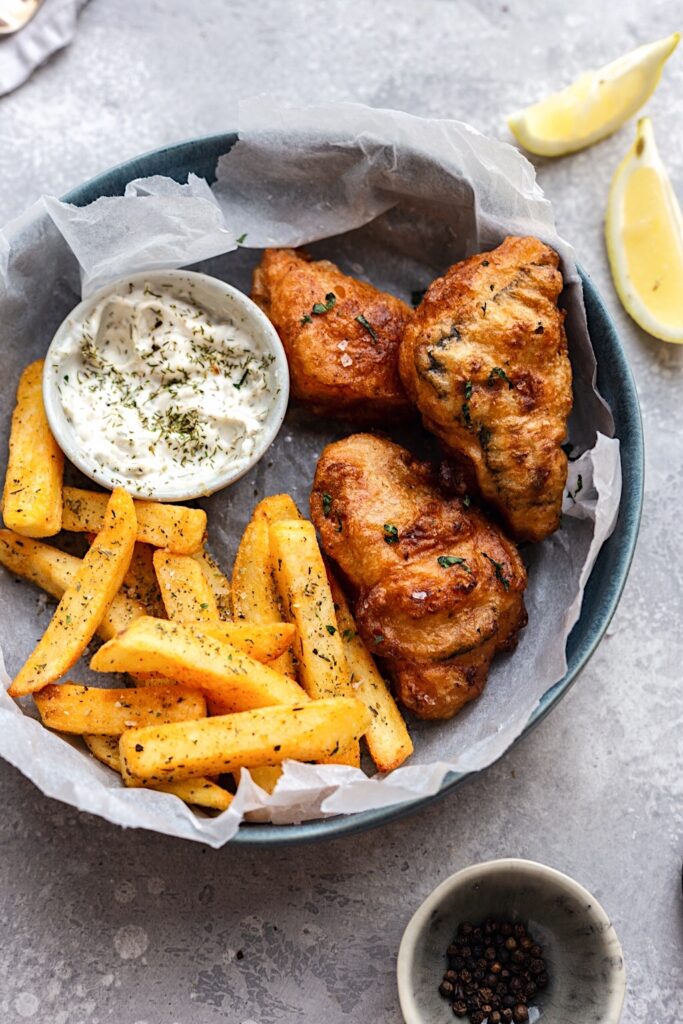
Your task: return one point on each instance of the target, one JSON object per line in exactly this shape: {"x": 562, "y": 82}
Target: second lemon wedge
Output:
{"x": 644, "y": 234}
{"x": 595, "y": 105}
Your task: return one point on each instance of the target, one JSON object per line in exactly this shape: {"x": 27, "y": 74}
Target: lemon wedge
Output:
{"x": 644, "y": 234}
{"x": 595, "y": 105}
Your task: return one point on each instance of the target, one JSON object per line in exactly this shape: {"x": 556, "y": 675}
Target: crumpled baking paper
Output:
{"x": 51, "y": 29}
{"x": 395, "y": 199}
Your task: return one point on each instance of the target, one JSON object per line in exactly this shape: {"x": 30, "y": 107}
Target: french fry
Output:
{"x": 54, "y": 571}
{"x": 32, "y": 497}
{"x": 84, "y": 603}
{"x": 184, "y": 587}
{"x": 308, "y": 732}
{"x": 140, "y": 582}
{"x": 175, "y": 527}
{"x": 200, "y": 792}
{"x": 254, "y": 594}
{"x": 277, "y": 507}
{"x": 266, "y": 776}
{"x": 262, "y": 643}
{"x": 231, "y": 680}
{"x": 387, "y": 738}
{"x": 219, "y": 583}
{"x": 305, "y": 594}
{"x": 81, "y": 709}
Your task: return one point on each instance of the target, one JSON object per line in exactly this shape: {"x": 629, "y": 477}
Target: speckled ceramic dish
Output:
{"x": 582, "y": 952}
{"x": 199, "y": 156}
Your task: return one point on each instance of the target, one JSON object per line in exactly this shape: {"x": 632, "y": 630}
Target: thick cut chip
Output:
{"x": 140, "y": 581}
{"x": 262, "y": 643}
{"x": 219, "y": 583}
{"x": 184, "y": 587}
{"x": 254, "y": 594}
{"x": 87, "y": 709}
{"x": 32, "y": 498}
{"x": 305, "y": 594}
{"x": 175, "y": 527}
{"x": 54, "y": 570}
{"x": 387, "y": 738}
{"x": 86, "y": 600}
{"x": 230, "y": 678}
{"x": 200, "y": 792}
{"x": 315, "y": 731}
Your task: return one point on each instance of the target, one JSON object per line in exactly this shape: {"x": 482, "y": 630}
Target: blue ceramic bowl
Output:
{"x": 199, "y": 156}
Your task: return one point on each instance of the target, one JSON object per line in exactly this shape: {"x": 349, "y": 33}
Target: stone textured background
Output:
{"x": 101, "y": 925}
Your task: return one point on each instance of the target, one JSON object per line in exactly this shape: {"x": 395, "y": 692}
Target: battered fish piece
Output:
{"x": 341, "y": 336}
{"x": 437, "y": 589}
{"x": 485, "y": 360}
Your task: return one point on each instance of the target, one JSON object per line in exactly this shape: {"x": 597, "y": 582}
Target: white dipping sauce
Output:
{"x": 159, "y": 391}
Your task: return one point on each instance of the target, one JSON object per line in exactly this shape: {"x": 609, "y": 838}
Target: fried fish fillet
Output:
{"x": 485, "y": 360}
{"x": 437, "y": 589}
{"x": 341, "y": 335}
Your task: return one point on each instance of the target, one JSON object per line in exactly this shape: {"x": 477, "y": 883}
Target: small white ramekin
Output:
{"x": 220, "y": 299}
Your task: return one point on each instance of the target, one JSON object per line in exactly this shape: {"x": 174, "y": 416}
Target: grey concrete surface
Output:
{"x": 103, "y": 925}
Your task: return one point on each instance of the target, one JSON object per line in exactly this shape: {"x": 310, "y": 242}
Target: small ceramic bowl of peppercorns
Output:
{"x": 509, "y": 942}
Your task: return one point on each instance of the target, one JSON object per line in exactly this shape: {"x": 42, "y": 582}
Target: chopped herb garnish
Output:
{"x": 466, "y": 500}
{"x": 242, "y": 379}
{"x": 497, "y": 371}
{"x": 378, "y": 638}
{"x": 483, "y": 309}
{"x": 320, "y": 308}
{"x": 331, "y": 629}
{"x": 447, "y": 561}
{"x": 306, "y": 319}
{"x": 240, "y": 240}
{"x": 368, "y": 327}
{"x": 327, "y": 504}
{"x": 390, "y": 533}
{"x": 468, "y": 389}
{"x": 498, "y": 566}
{"x": 349, "y": 634}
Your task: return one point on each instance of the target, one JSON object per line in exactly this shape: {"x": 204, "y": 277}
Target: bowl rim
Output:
{"x": 488, "y": 868}
{"x": 200, "y": 155}
{"x": 220, "y": 289}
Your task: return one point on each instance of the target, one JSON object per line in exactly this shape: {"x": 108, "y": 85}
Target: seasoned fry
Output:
{"x": 185, "y": 590}
{"x": 79, "y": 709}
{"x": 140, "y": 582}
{"x": 266, "y": 776}
{"x": 387, "y": 738}
{"x": 200, "y": 792}
{"x": 254, "y": 596}
{"x": 305, "y": 594}
{"x": 231, "y": 679}
{"x": 219, "y": 583}
{"x": 277, "y": 507}
{"x": 262, "y": 643}
{"x": 174, "y": 527}
{"x": 308, "y": 732}
{"x": 54, "y": 570}
{"x": 85, "y": 602}
{"x": 32, "y": 497}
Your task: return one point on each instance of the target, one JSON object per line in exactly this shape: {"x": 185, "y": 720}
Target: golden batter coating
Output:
{"x": 485, "y": 360}
{"x": 341, "y": 335}
{"x": 437, "y": 589}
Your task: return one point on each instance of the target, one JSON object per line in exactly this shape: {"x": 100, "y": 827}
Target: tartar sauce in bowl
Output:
{"x": 170, "y": 384}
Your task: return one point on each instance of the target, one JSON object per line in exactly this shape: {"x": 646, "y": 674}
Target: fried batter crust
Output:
{"x": 485, "y": 360}
{"x": 436, "y": 624}
{"x": 339, "y": 365}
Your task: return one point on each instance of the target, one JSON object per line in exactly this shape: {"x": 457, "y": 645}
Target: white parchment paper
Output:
{"x": 394, "y": 199}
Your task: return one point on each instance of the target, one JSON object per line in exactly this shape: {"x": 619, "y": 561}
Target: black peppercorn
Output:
{"x": 506, "y": 1014}
{"x": 506, "y": 928}
{"x": 460, "y": 1008}
{"x": 520, "y": 1013}
{"x": 495, "y": 1017}
{"x": 477, "y": 1017}
{"x": 536, "y": 966}
{"x": 511, "y": 944}
{"x": 446, "y": 989}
